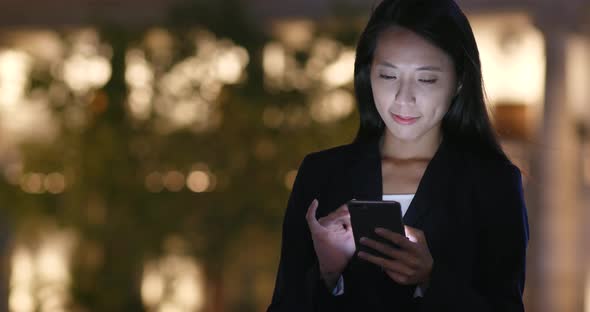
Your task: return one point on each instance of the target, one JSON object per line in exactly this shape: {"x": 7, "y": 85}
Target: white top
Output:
{"x": 405, "y": 200}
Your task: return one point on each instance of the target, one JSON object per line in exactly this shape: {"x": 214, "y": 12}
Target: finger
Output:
{"x": 310, "y": 215}
{"x": 340, "y": 213}
{"x": 387, "y": 264}
{"x": 398, "y": 277}
{"x": 401, "y": 255}
{"x": 409, "y": 259}
{"x": 382, "y": 248}
{"x": 343, "y": 222}
{"x": 396, "y": 238}
{"x": 415, "y": 235}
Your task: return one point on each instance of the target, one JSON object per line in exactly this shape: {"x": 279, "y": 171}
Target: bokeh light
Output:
{"x": 175, "y": 282}
{"x": 41, "y": 273}
{"x": 182, "y": 94}
{"x": 332, "y": 106}
{"x": 55, "y": 183}
{"x": 324, "y": 76}
{"x": 14, "y": 70}
{"x": 154, "y": 182}
{"x": 198, "y": 181}
{"x": 174, "y": 181}
{"x": 513, "y": 58}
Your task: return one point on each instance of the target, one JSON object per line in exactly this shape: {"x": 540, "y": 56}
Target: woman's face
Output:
{"x": 413, "y": 83}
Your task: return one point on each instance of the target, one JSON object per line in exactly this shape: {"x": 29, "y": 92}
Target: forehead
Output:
{"x": 398, "y": 45}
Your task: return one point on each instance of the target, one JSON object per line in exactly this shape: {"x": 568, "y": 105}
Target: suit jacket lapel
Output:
{"x": 363, "y": 181}
{"x": 433, "y": 188}
{"x": 365, "y": 176}
{"x": 360, "y": 179}
{"x": 366, "y": 181}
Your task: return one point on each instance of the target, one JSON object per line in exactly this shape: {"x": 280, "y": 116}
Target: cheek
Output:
{"x": 383, "y": 91}
{"x": 437, "y": 104}
{"x": 380, "y": 94}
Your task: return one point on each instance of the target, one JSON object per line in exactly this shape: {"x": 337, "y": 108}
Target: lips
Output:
{"x": 404, "y": 120}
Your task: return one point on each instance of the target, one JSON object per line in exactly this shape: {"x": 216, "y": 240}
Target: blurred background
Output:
{"x": 148, "y": 147}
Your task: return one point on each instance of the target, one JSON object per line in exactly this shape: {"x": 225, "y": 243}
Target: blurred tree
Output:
{"x": 233, "y": 231}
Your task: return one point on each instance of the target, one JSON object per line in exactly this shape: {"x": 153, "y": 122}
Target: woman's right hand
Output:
{"x": 332, "y": 240}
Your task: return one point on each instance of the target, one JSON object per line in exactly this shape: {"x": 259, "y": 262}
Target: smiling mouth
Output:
{"x": 404, "y": 120}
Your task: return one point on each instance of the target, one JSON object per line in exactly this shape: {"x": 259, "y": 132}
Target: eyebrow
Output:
{"x": 427, "y": 67}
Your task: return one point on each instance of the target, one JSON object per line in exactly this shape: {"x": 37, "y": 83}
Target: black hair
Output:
{"x": 442, "y": 23}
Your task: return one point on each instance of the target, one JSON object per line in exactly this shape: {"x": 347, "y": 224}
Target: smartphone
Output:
{"x": 365, "y": 216}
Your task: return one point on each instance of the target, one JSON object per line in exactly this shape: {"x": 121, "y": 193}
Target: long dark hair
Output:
{"x": 442, "y": 23}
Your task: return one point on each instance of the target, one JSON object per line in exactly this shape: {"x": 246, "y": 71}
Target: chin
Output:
{"x": 407, "y": 135}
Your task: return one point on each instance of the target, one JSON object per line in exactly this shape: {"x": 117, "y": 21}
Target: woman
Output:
{"x": 425, "y": 140}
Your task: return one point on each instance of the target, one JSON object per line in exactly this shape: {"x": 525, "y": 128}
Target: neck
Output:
{"x": 423, "y": 148}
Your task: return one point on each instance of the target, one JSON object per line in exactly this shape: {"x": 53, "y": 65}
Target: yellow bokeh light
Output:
{"x": 33, "y": 183}
{"x": 21, "y": 300}
{"x": 274, "y": 60}
{"x": 152, "y": 286}
{"x": 40, "y": 276}
{"x": 296, "y": 34}
{"x": 186, "y": 112}
{"x": 578, "y": 76}
{"x": 174, "y": 181}
{"x": 154, "y": 182}
{"x": 198, "y": 181}
{"x": 44, "y": 45}
{"x": 83, "y": 73}
{"x": 189, "y": 292}
{"x": 160, "y": 44}
{"x": 512, "y": 53}
{"x": 55, "y": 183}
{"x": 138, "y": 72}
{"x": 325, "y": 48}
{"x": 170, "y": 307}
{"x": 14, "y": 71}
{"x": 210, "y": 90}
{"x": 333, "y": 106}
{"x": 51, "y": 264}
{"x": 13, "y": 173}
{"x": 140, "y": 103}
{"x": 176, "y": 84}
{"x": 22, "y": 267}
{"x": 182, "y": 94}
{"x": 230, "y": 65}
{"x": 341, "y": 72}
{"x": 173, "y": 283}
{"x": 32, "y": 121}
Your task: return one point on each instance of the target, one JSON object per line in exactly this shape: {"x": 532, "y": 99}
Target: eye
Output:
{"x": 428, "y": 81}
{"x": 387, "y": 77}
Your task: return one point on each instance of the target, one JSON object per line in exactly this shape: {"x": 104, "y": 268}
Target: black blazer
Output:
{"x": 469, "y": 205}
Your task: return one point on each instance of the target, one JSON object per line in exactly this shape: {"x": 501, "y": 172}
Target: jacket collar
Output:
{"x": 365, "y": 180}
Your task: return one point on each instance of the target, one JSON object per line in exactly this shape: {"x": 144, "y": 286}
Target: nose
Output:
{"x": 405, "y": 93}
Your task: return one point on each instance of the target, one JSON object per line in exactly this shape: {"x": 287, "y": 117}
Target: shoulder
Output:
{"x": 497, "y": 191}
{"x": 332, "y": 158}
{"x": 488, "y": 167}
{"x": 320, "y": 166}
{"x": 496, "y": 182}
{"x": 494, "y": 170}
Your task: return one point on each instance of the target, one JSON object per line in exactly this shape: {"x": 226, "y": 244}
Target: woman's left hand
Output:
{"x": 410, "y": 264}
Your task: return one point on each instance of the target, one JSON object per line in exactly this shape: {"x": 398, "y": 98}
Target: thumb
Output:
{"x": 310, "y": 216}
